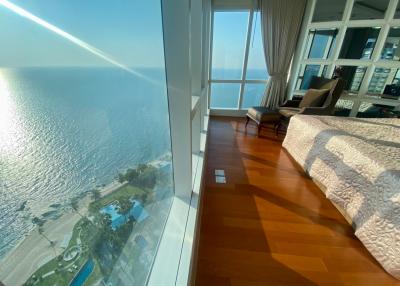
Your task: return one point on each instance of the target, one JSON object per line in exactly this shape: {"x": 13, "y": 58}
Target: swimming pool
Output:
{"x": 116, "y": 219}
{"x": 83, "y": 274}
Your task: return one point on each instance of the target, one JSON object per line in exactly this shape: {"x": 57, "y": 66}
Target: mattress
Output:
{"x": 358, "y": 161}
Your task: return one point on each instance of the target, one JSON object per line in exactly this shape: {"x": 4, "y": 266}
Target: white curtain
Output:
{"x": 280, "y": 25}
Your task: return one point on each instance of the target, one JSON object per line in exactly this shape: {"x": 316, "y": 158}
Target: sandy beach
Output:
{"x": 34, "y": 251}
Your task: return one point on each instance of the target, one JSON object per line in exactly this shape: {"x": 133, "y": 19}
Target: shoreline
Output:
{"x": 34, "y": 250}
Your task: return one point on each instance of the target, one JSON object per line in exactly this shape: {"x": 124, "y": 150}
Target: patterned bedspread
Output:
{"x": 358, "y": 161}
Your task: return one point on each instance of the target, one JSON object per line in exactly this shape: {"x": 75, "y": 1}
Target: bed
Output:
{"x": 357, "y": 164}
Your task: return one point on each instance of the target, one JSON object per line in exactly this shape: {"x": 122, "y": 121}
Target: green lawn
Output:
{"x": 63, "y": 277}
{"x": 75, "y": 233}
{"x": 124, "y": 192}
{"x": 54, "y": 264}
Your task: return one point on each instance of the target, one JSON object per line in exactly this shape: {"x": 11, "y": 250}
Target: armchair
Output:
{"x": 332, "y": 89}
{"x": 335, "y": 87}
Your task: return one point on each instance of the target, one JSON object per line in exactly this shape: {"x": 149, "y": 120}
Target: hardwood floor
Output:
{"x": 270, "y": 224}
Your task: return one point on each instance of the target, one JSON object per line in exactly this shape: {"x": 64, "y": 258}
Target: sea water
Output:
{"x": 64, "y": 131}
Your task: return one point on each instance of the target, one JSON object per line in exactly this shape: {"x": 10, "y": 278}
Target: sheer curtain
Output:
{"x": 280, "y": 24}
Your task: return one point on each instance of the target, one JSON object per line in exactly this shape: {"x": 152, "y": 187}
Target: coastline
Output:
{"x": 34, "y": 250}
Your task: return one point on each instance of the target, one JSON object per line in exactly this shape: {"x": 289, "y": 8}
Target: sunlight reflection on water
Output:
{"x": 11, "y": 127}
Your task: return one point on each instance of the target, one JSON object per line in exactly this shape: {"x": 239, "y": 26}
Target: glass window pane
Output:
{"x": 252, "y": 95}
{"x": 385, "y": 80}
{"x": 325, "y": 72}
{"x": 85, "y": 181}
{"x": 224, "y": 95}
{"x": 256, "y": 67}
{"x": 353, "y": 76}
{"x": 369, "y": 9}
{"x": 229, "y": 40}
{"x": 306, "y": 74}
{"x": 321, "y": 43}
{"x": 195, "y": 144}
{"x": 391, "y": 49}
{"x": 309, "y": 72}
{"x": 359, "y": 43}
{"x": 328, "y": 10}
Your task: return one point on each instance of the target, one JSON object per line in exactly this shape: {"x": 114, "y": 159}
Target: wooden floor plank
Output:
{"x": 270, "y": 224}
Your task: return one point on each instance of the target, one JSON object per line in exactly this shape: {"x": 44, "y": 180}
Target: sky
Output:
{"x": 127, "y": 32}
{"x": 229, "y": 40}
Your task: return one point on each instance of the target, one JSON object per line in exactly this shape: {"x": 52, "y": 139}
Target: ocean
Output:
{"x": 226, "y": 95}
{"x": 64, "y": 131}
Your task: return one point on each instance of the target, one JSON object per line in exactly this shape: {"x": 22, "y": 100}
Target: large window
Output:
{"x": 256, "y": 67}
{"x": 359, "y": 43}
{"x": 238, "y": 70}
{"x": 359, "y": 39}
{"x": 321, "y": 43}
{"x": 306, "y": 74}
{"x": 229, "y": 40}
{"x": 85, "y": 155}
{"x": 391, "y": 49}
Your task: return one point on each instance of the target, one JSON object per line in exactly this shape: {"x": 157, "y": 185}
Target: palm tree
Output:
{"x": 39, "y": 223}
{"x": 96, "y": 195}
{"x": 141, "y": 168}
{"x": 75, "y": 206}
{"x": 41, "y": 232}
{"x": 125, "y": 205}
{"x": 52, "y": 243}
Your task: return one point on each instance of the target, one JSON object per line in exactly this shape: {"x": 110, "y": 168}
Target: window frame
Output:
{"x": 328, "y": 48}
{"x": 374, "y": 62}
{"x": 243, "y": 81}
{"x": 186, "y": 29}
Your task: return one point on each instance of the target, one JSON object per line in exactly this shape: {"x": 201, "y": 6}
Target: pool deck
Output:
{"x": 34, "y": 251}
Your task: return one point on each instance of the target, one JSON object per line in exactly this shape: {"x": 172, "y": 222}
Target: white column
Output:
{"x": 176, "y": 22}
